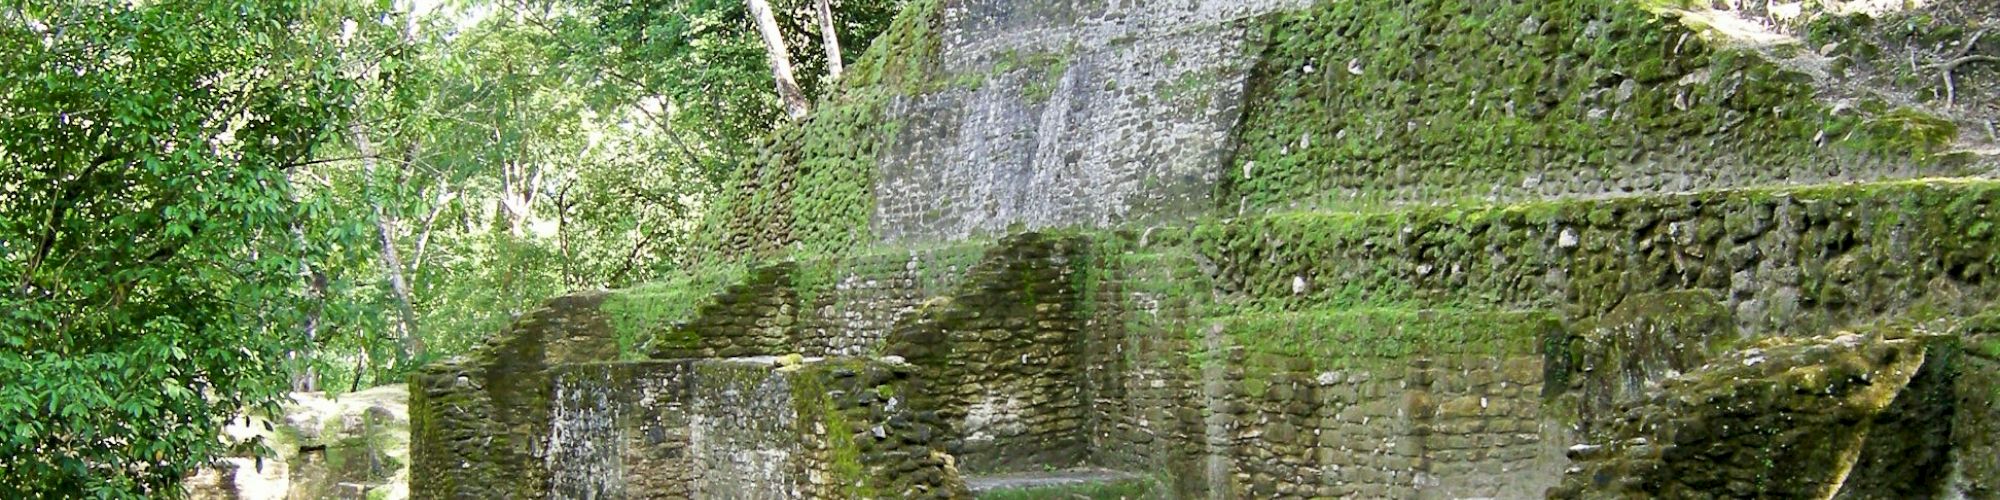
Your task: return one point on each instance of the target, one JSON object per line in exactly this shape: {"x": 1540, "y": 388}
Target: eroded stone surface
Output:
{"x": 1791, "y": 418}
{"x": 1064, "y": 113}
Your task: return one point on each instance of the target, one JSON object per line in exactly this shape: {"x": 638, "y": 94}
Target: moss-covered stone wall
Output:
{"x": 1301, "y": 249}
{"x": 1783, "y": 260}
{"x": 823, "y": 305}
{"x": 1383, "y": 403}
{"x": 811, "y": 186}
{"x": 749, "y": 318}
{"x": 764, "y": 427}
{"x": 1000, "y": 357}
{"x": 1975, "y": 425}
{"x": 851, "y": 303}
{"x": 478, "y": 425}
{"x": 1277, "y": 333}
{"x": 621, "y": 430}
{"x": 1848, "y": 414}
{"x": 873, "y": 433}
{"x": 1355, "y": 105}
{"x": 1059, "y": 113}
{"x": 1147, "y": 407}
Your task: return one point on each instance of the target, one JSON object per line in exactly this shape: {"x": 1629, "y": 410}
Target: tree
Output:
{"x": 707, "y": 62}
{"x": 386, "y": 223}
{"x": 153, "y": 276}
{"x": 830, "y": 38}
{"x": 781, "y": 59}
{"x": 497, "y": 167}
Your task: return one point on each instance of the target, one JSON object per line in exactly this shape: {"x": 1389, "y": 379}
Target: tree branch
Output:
{"x": 631, "y": 259}
{"x": 606, "y": 70}
{"x": 52, "y": 229}
{"x": 1961, "y": 58}
{"x": 308, "y": 163}
{"x": 444, "y": 198}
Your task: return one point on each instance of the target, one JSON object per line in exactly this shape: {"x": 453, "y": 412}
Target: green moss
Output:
{"x": 643, "y": 317}
{"x": 1051, "y": 66}
{"x": 1497, "y": 256}
{"x": 1191, "y": 84}
{"x": 1685, "y": 312}
{"x": 1981, "y": 333}
{"x": 1904, "y": 132}
{"x": 904, "y": 57}
{"x": 819, "y": 271}
{"x": 1327, "y": 340}
{"x": 1355, "y": 105}
{"x": 812, "y": 397}
{"x": 811, "y": 185}
{"x": 1164, "y": 298}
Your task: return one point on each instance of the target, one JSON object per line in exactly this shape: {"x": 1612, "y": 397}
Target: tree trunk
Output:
{"x": 438, "y": 204}
{"x": 781, "y": 59}
{"x": 307, "y": 379}
{"x": 518, "y": 182}
{"x": 392, "y": 264}
{"x": 831, "y": 39}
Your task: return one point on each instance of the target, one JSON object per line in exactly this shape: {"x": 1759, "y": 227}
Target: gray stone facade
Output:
{"x": 1065, "y": 113}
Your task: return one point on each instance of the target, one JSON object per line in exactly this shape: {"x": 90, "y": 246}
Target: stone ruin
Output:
{"x": 1208, "y": 249}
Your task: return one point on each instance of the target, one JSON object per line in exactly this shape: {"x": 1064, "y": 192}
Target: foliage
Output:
{"x": 514, "y": 169}
{"x": 704, "y": 56}
{"x": 265, "y": 171}
{"x": 153, "y": 242}
{"x": 554, "y": 146}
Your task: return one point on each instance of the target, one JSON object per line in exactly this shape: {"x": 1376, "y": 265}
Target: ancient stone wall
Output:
{"x": 1371, "y": 249}
{"x": 1060, "y": 113}
{"x": 1975, "y": 424}
{"x": 1147, "y": 407}
{"x": 750, "y": 318}
{"x": 1261, "y": 420}
{"x": 830, "y": 306}
{"x": 620, "y": 430}
{"x": 1782, "y": 261}
{"x": 479, "y": 426}
{"x": 1363, "y": 105}
{"x": 1793, "y": 417}
{"x": 743, "y": 430}
{"x": 545, "y": 410}
{"x": 874, "y": 434}
{"x": 1384, "y": 404}
{"x": 1000, "y": 357}
{"x": 855, "y": 302}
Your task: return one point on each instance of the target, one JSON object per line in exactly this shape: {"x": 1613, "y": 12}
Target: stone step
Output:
{"x": 1768, "y": 247}
{"x": 1388, "y": 333}
{"x": 1064, "y": 483}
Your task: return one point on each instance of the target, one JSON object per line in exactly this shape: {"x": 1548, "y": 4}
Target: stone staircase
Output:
{"x": 1448, "y": 242}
